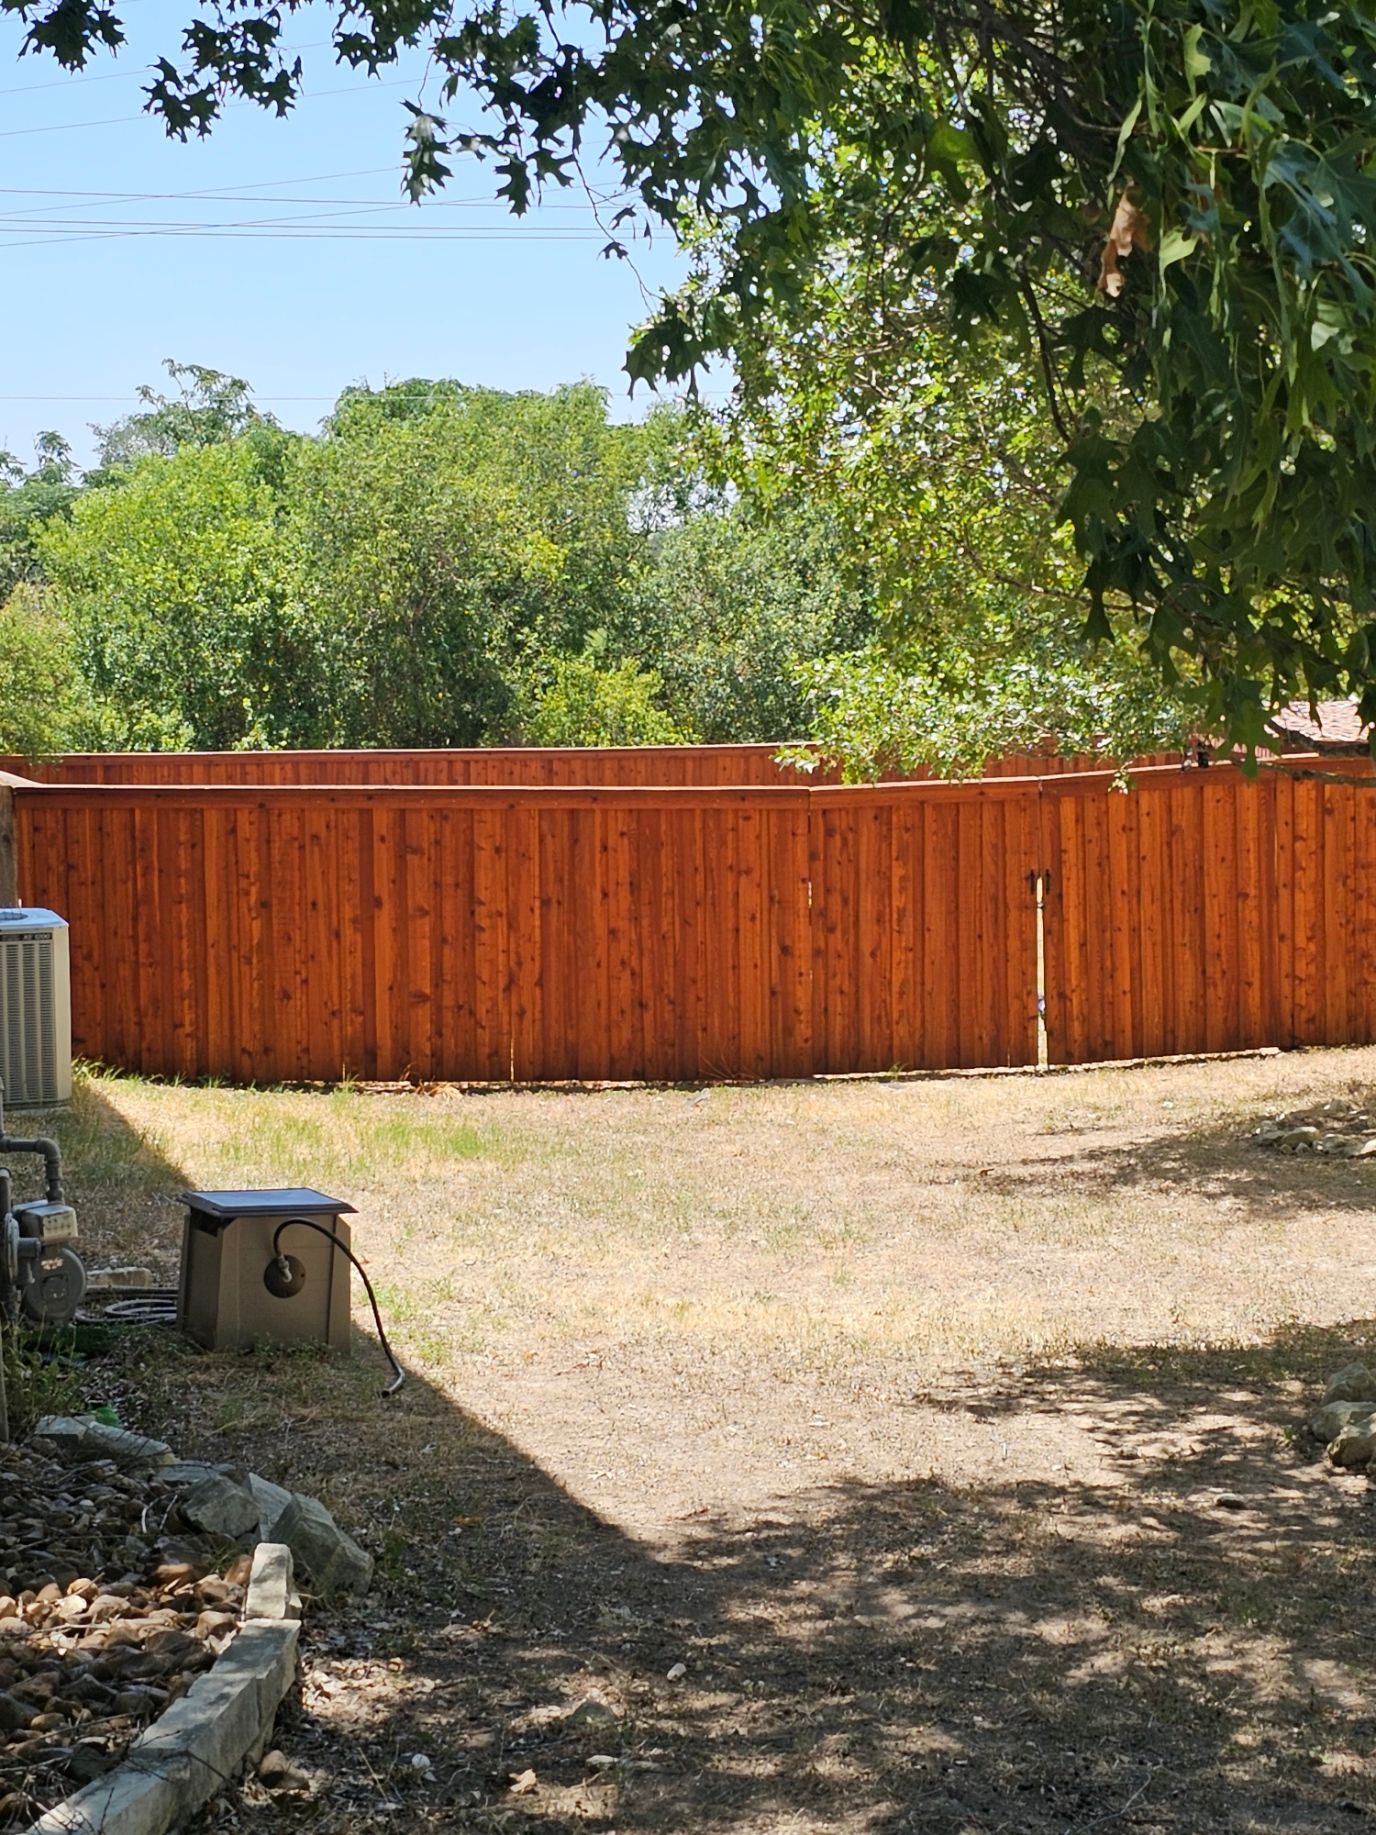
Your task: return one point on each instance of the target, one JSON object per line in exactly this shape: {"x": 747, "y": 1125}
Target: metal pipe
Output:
{"x": 52, "y": 1160}
{"x": 52, "y": 1155}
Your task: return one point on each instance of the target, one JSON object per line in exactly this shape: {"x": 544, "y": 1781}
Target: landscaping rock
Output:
{"x": 60, "y": 1434}
{"x": 83, "y": 1437}
{"x": 1334, "y": 1128}
{"x": 1298, "y": 1140}
{"x": 272, "y": 1501}
{"x": 199, "y": 1741}
{"x": 277, "y": 1773}
{"x": 271, "y": 1591}
{"x": 591, "y": 1712}
{"x": 331, "y": 1560}
{"x": 189, "y": 1472}
{"x": 1334, "y": 1418}
{"x": 101, "y": 1631}
{"x": 1355, "y": 1443}
{"x": 1353, "y": 1383}
{"x": 221, "y": 1508}
{"x": 131, "y": 1452}
{"x": 15, "y": 1715}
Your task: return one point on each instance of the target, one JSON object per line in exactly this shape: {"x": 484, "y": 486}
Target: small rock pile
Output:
{"x": 227, "y": 1503}
{"x": 1346, "y": 1419}
{"x": 1338, "y": 1128}
{"x": 107, "y": 1613}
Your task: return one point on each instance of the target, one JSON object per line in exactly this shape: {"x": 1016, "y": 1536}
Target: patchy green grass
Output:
{"x": 801, "y": 1227}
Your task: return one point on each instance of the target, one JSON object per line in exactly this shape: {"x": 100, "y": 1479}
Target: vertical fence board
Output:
{"x": 454, "y": 901}
{"x": 1366, "y": 825}
{"x": 692, "y": 989}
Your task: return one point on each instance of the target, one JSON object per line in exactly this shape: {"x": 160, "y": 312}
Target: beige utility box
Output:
{"x": 232, "y": 1240}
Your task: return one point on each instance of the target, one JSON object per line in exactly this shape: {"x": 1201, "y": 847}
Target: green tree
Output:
{"x": 941, "y": 475}
{"x": 29, "y": 500}
{"x": 175, "y": 587}
{"x": 734, "y": 610}
{"x": 46, "y": 708}
{"x": 449, "y": 544}
{"x": 209, "y": 409}
{"x": 589, "y": 700}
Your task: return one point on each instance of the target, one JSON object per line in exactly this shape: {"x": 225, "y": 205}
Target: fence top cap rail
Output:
{"x": 414, "y": 796}
{"x": 548, "y": 796}
{"x": 440, "y": 751}
{"x": 1325, "y": 767}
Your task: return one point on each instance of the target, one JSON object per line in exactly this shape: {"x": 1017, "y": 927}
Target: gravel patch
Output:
{"x": 107, "y": 1614}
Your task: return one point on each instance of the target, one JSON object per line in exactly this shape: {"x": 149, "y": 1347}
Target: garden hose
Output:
{"x": 291, "y": 1274}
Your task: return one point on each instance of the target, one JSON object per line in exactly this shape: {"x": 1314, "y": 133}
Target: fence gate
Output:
{"x": 924, "y": 926}
{"x": 1160, "y": 914}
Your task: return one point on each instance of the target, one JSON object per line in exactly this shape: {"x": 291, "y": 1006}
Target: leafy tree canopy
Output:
{"x": 946, "y": 482}
{"x": 739, "y": 608}
{"x": 449, "y": 542}
{"x": 442, "y": 565}
{"x": 28, "y": 500}
{"x": 48, "y": 707}
{"x": 1167, "y": 207}
{"x": 174, "y": 585}
{"x": 208, "y": 409}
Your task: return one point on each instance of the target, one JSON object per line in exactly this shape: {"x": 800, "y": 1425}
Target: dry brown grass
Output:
{"x": 793, "y": 1381}
{"x": 841, "y": 1239}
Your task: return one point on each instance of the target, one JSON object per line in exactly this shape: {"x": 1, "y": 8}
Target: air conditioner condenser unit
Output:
{"x": 35, "y": 1009}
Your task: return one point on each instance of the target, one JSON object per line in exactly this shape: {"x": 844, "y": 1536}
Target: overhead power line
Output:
{"x": 67, "y": 127}
{"x": 204, "y": 191}
{"x": 115, "y": 227}
{"x": 314, "y": 225}
{"x": 307, "y": 233}
{"x": 131, "y": 76}
{"x": 97, "y": 199}
{"x": 137, "y": 400}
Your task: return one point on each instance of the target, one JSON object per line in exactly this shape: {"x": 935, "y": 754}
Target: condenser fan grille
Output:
{"x": 35, "y": 1022}
{"x": 30, "y": 1048}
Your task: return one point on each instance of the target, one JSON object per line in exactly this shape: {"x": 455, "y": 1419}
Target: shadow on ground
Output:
{"x": 1185, "y": 1648}
{"x": 1221, "y": 1161}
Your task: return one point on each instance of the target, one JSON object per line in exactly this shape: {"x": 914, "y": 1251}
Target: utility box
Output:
{"x": 230, "y": 1248}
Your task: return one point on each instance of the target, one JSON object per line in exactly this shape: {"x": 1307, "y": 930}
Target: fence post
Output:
{"x": 9, "y": 867}
{"x": 9, "y": 900}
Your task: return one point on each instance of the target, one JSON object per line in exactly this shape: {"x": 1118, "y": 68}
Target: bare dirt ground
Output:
{"x": 873, "y": 1456}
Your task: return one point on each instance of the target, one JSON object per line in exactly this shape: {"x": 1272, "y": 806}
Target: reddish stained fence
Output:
{"x": 442, "y": 929}
{"x": 1204, "y": 911}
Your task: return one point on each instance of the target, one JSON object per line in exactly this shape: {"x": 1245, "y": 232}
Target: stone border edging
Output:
{"x": 201, "y": 1741}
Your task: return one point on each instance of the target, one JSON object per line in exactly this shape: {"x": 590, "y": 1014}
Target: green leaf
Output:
{"x": 1197, "y": 63}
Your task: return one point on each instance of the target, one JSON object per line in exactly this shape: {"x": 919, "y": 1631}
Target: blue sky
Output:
{"x": 300, "y": 305}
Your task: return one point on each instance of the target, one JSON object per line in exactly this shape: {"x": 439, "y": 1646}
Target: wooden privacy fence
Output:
{"x": 448, "y": 930}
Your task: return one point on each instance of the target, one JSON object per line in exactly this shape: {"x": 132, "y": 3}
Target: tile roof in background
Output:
{"x": 1337, "y": 727}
